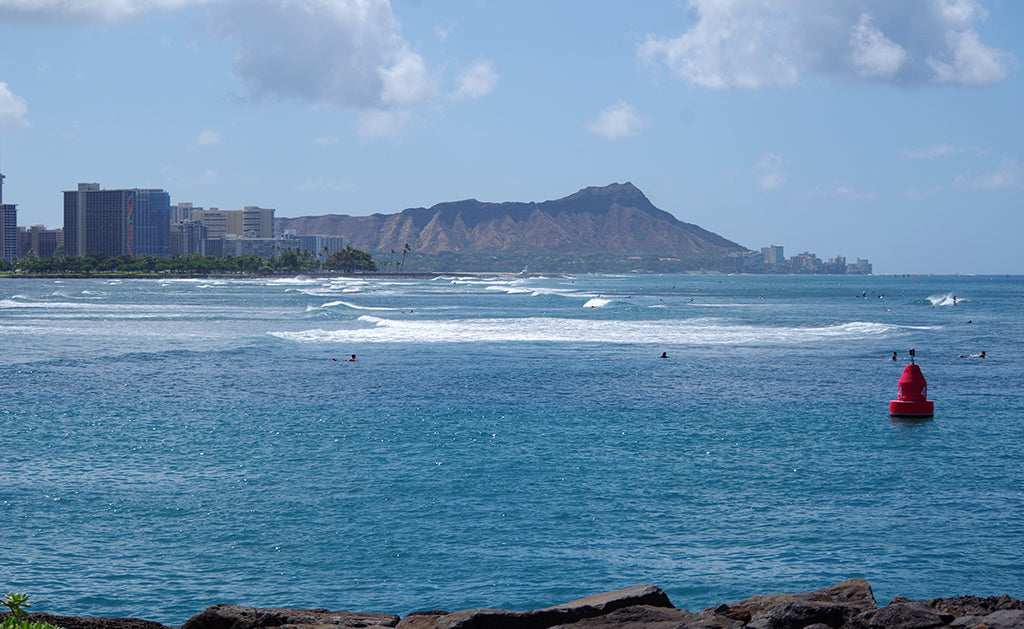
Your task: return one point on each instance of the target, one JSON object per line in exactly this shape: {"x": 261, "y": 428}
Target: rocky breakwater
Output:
{"x": 847, "y": 605}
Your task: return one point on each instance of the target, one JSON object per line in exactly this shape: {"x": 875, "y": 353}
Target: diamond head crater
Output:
{"x": 614, "y": 228}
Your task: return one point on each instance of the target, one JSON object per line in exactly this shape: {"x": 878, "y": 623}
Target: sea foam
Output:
{"x": 705, "y": 331}
{"x": 949, "y": 299}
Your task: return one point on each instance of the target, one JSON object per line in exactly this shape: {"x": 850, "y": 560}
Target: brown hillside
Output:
{"x": 617, "y": 218}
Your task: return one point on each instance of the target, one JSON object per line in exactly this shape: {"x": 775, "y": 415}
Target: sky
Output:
{"x": 891, "y": 131}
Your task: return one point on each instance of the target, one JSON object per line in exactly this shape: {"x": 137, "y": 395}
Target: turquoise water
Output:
{"x": 169, "y": 445}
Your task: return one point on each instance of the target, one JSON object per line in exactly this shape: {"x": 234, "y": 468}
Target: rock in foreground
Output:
{"x": 846, "y": 605}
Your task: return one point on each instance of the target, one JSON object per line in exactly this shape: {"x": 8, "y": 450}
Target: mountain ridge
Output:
{"x": 613, "y": 219}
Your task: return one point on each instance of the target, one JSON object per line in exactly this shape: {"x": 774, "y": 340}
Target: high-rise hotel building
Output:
{"x": 8, "y": 227}
{"x": 116, "y": 222}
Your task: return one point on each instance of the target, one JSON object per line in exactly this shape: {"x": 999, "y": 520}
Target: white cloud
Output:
{"x": 770, "y": 172}
{"x": 328, "y": 53}
{"x": 406, "y": 82}
{"x": 445, "y": 30}
{"x": 744, "y": 43}
{"x": 756, "y": 43}
{"x": 347, "y": 53}
{"x": 478, "y": 79}
{"x": 89, "y": 10}
{"x": 1009, "y": 174}
{"x": 873, "y": 54}
{"x": 13, "y": 108}
{"x": 840, "y": 191}
{"x": 969, "y": 62}
{"x": 617, "y": 122}
{"x": 942, "y": 149}
{"x": 208, "y": 138}
{"x": 378, "y": 123}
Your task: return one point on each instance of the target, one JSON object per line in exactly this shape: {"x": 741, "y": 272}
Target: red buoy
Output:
{"x": 912, "y": 394}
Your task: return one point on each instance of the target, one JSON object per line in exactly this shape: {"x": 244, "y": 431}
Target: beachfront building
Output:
{"x": 774, "y": 259}
{"x": 805, "y": 262}
{"x": 218, "y": 224}
{"x": 262, "y": 247}
{"x": 8, "y": 231}
{"x": 860, "y": 267}
{"x": 257, "y": 222}
{"x": 252, "y": 222}
{"x": 181, "y": 212}
{"x": 8, "y": 227}
{"x": 188, "y": 237}
{"x": 40, "y": 241}
{"x": 318, "y": 245}
{"x": 132, "y": 222}
{"x": 836, "y": 265}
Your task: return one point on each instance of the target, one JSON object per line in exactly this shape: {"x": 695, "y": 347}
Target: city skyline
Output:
{"x": 143, "y": 222}
{"x": 886, "y": 131}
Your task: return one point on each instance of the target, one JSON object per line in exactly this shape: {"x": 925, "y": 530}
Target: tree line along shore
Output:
{"x": 347, "y": 260}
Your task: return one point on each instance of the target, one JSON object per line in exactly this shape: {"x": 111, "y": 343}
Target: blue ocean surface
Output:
{"x": 504, "y": 442}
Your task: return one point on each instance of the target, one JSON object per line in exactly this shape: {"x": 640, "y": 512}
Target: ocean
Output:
{"x": 511, "y": 442}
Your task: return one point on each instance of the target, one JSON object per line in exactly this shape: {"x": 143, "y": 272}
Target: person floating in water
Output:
{"x": 664, "y": 355}
{"x": 894, "y": 355}
{"x": 352, "y": 359}
{"x": 979, "y": 355}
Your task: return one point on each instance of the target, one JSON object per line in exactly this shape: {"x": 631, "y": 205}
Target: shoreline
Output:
{"x": 372, "y": 274}
{"x": 846, "y": 605}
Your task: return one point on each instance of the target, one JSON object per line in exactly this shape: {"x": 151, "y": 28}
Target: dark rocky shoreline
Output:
{"x": 846, "y": 605}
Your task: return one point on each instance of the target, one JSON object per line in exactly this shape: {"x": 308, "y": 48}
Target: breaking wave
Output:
{"x": 374, "y": 329}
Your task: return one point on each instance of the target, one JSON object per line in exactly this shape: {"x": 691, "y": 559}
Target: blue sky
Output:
{"x": 865, "y": 128}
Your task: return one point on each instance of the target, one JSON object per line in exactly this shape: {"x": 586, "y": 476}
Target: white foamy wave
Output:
{"x": 949, "y": 299}
{"x": 201, "y": 282}
{"x": 597, "y": 302}
{"x": 511, "y": 290}
{"x": 326, "y": 291}
{"x": 542, "y": 329}
{"x": 559, "y": 292}
{"x": 299, "y": 280}
{"x": 47, "y": 305}
{"x": 347, "y": 304}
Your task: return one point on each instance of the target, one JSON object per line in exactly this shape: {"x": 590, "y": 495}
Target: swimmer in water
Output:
{"x": 980, "y": 355}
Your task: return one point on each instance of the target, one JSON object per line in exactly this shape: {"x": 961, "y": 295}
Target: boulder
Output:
{"x": 238, "y": 617}
{"x": 610, "y": 601}
{"x": 422, "y": 620}
{"x": 646, "y": 616}
{"x": 1002, "y": 619}
{"x": 961, "y": 612}
{"x": 902, "y": 614}
{"x": 566, "y": 613}
{"x": 975, "y": 606}
{"x": 833, "y": 606}
{"x": 77, "y": 622}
